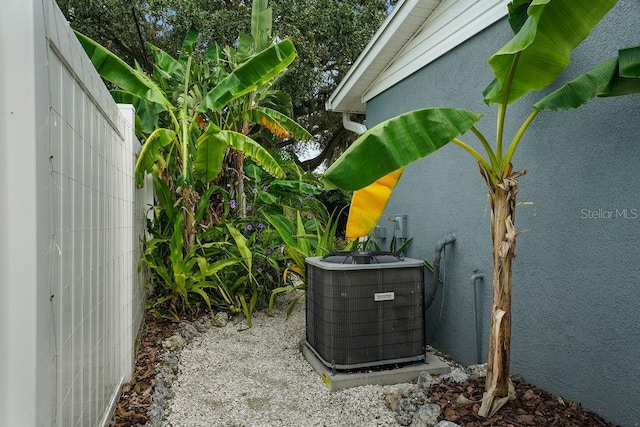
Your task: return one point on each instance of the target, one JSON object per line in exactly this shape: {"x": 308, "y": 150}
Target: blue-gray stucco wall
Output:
{"x": 576, "y": 278}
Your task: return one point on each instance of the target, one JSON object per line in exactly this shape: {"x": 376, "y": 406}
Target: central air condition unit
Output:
{"x": 365, "y": 309}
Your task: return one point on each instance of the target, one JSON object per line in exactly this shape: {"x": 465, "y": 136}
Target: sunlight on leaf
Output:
{"x": 367, "y": 205}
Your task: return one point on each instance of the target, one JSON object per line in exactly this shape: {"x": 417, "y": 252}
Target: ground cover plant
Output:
{"x": 546, "y": 32}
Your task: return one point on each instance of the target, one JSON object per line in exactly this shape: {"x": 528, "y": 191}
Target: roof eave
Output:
{"x": 415, "y": 34}
{"x": 397, "y": 23}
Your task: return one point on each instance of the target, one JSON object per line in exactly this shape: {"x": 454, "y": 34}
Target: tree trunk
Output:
{"x": 499, "y": 389}
{"x": 189, "y": 201}
{"x": 240, "y": 185}
{"x": 238, "y": 165}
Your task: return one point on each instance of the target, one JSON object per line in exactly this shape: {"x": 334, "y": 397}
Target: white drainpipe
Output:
{"x": 348, "y": 124}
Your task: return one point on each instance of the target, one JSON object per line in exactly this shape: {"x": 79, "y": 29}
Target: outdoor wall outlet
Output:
{"x": 400, "y": 226}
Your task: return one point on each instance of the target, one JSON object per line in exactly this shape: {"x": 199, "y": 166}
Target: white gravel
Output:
{"x": 236, "y": 376}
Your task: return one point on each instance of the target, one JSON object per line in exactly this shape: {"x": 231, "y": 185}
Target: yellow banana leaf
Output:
{"x": 368, "y": 203}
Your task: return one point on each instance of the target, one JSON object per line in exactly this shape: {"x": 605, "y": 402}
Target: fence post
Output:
{"x": 21, "y": 282}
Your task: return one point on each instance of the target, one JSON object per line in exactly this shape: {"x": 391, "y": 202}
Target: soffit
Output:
{"x": 416, "y": 33}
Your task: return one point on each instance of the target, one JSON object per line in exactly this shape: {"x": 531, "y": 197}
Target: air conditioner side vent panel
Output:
{"x": 360, "y": 315}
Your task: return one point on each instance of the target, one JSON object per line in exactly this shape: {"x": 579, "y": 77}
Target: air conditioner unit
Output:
{"x": 364, "y": 309}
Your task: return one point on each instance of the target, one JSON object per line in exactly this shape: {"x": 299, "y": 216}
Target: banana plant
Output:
{"x": 182, "y": 134}
{"x": 262, "y": 108}
{"x": 194, "y": 111}
{"x": 546, "y": 32}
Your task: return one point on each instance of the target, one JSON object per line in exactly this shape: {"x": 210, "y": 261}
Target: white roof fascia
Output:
{"x": 403, "y": 22}
{"x": 453, "y": 23}
{"x": 415, "y": 34}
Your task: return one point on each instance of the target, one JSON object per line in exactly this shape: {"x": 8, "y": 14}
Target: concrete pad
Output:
{"x": 344, "y": 379}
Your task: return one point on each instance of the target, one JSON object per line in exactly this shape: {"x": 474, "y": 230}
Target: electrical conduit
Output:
{"x": 430, "y": 296}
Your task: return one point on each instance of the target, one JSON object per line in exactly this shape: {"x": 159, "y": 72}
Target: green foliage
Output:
{"x": 369, "y": 244}
{"x": 176, "y": 277}
{"x": 399, "y": 249}
{"x": 257, "y": 71}
{"x": 541, "y": 48}
{"x": 180, "y": 87}
{"x": 421, "y": 132}
{"x": 302, "y": 239}
{"x": 253, "y": 264}
{"x": 292, "y": 221}
{"x": 614, "y": 77}
{"x": 197, "y": 120}
{"x": 329, "y": 35}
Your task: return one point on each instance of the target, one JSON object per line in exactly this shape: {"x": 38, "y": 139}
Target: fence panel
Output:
{"x": 88, "y": 298}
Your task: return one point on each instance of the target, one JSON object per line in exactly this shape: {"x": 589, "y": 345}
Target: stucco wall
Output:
{"x": 577, "y": 273}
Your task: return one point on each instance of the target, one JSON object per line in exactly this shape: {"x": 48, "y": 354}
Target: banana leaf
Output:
{"x": 615, "y": 77}
{"x": 245, "y": 47}
{"x": 252, "y": 149}
{"x": 255, "y": 72}
{"x": 213, "y": 144}
{"x": 395, "y": 143}
{"x": 214, "y": 53}
{"x": 277, "y": 100}
{"x": 261, "y": 23}
{"x": 368, "y": 203}
{"x": 210, "y": 155}
{"x": 189, "y": 40}
{"x": 170, "y": 67}
{"x": 165, "y": 200}
{"x": 118, "y": 72}
{"x": 298, "y": 186}
{"x": 277, "y": 123}
{"x": 629, "y": 62}
{"x": 517, "y": 15}
{"x": 147, "y": 113}
{"x": 150, "y": 150}
{"x": 542, "y": 48}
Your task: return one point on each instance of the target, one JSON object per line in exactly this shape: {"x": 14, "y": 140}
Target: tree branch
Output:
{"x": 340, "y": 137}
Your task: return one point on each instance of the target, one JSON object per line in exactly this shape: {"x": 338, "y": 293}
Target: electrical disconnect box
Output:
{"x": 400, "y": 226}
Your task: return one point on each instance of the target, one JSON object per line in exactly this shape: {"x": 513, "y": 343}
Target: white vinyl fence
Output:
{"x": 71, "y": 299}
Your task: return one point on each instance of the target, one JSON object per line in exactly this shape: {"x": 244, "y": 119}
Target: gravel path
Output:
{"x": 236, "y": 376}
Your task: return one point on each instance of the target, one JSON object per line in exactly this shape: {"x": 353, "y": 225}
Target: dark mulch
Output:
{"x": 532, "y": 407}
{"x": 135, "y": 398}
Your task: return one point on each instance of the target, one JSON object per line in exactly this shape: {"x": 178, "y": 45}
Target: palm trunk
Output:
{"x": 499, "y": 389}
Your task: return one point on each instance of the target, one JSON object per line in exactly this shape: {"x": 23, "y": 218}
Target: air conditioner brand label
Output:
{"x": 384, "y": 296}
